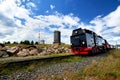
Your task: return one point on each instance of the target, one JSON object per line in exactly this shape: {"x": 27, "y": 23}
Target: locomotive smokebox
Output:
{"x": 57, "y": 37}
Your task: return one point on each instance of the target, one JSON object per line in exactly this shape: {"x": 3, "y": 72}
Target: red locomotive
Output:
{"x": 87, "y": 42}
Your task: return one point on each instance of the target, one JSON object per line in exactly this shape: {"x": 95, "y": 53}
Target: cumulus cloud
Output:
{"x": 16, "y": 13}
{"x": 6, "y": 21}
{"x": 13, "y": 14}
{"x": 113, "y": 20}
{"x": 109, "y": 26}
{"x": 30, "y": 4}
{"x": 9, "y": 25}
{"x": 47, "y": 11}
{"x": 52, "y": 7}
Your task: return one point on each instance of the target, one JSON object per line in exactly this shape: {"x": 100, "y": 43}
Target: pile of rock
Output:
{"x": 20, "y": 51}
{"x": 29, "y": 51}
{"x": 54, "y": 49}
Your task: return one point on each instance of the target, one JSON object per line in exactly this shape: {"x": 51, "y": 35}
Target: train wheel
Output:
{"x": 104, "y": 49}
{"x": 93, "y": 51}
{"x": 97, "y": 50}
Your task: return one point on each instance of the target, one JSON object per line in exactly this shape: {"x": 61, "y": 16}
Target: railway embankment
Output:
{"x": 51, "y": 69}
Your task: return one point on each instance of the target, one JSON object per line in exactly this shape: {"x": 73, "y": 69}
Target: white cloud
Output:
{"x": 52, "y": 7}
{"x": 12, "y": 28}
{"x": 30, "y": 4}
{"x": 8, "y": 24}
{"x": 10, "y": 9}
{"x": 22, "y": 32}
{"x": 47, "y": 11}
{"x": 108, "y": 25}
{"x": 113, "y": 20}
{"x": 71, "y": 20}
{"x": 58, "y": 20}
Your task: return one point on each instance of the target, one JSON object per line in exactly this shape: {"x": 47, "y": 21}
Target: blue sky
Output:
{"x": 23, "y": 19}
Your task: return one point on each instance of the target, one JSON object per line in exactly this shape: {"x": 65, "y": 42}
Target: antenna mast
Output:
{"x": 39, "y": 38}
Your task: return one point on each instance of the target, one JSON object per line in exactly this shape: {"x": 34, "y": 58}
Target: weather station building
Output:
{"x": 57, "y": 37}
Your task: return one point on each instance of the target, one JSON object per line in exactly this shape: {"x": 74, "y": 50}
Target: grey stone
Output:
{"x": 33, "y": 52}
{"x": 13, "y": 50}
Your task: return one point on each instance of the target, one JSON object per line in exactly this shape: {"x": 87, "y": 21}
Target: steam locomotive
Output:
{"x": 84, "y": 42}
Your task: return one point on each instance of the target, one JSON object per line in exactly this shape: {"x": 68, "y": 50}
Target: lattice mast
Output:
{"x": 39, "y": 37}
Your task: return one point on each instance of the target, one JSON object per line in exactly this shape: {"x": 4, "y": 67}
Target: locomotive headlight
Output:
{"x": 83, "y": 42}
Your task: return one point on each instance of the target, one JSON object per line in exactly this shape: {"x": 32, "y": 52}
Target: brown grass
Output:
{"x": 108, "y": 68}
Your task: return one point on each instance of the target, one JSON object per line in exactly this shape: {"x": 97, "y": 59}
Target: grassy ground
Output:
{"x": 39, "y": 45}
{"x": 108, "y": 68}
